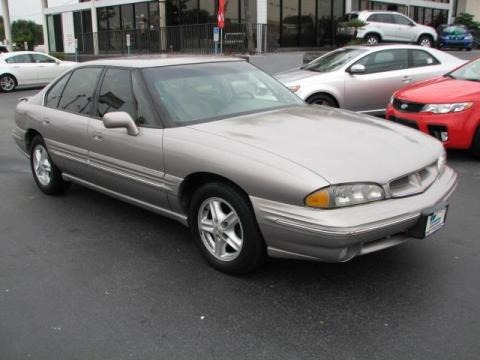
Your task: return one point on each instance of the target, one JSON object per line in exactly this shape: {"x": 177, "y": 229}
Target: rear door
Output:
{"x": 424, "y": 65}
{"x": 385, "y": 72}
{"x": 130, "y": 165}
{"x": 386, "y": 24}
{"x": 23, "y": 68}
{"x": 65, "y": 118}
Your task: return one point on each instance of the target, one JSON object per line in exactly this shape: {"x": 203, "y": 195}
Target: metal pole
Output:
{"x": 7, "y": 25}
{"x": 221, "y": 41}
{"x": 93, "y": 10}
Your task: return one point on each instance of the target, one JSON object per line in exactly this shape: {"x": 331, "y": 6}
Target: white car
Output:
{"x": 363, "y": 78}
{"x": 29, "y": 68}
{"x": 391, "y": 26}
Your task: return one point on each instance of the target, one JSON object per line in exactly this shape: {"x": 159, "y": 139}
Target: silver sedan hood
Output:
{"x": 294, "y": 75}
{"x": 338, "y": 145}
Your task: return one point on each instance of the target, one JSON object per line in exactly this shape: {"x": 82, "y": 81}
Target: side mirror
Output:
{"x": 357, "y": 69}
{"x": 58, "y": 62}
{"x": 120, "y": 119}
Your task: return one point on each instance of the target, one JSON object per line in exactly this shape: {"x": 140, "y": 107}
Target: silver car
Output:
{"x": 363, "y": 78}
{"x": 220, "y": 146}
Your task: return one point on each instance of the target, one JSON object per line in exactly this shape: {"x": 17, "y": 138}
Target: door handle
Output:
{"x": 46, "y": 122}
{"x": 97, "y": 138}
{"x": 407, "y": 79}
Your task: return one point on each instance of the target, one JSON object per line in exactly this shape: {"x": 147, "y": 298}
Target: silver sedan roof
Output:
{"x": 160, "y": 60}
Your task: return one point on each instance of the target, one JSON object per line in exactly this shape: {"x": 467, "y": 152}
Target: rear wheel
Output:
{"x": 469, "y": 49}
{"x": 225, "y": 229}
{"x": 372, "y": 39}
{"x": 475, "y": 149}
{"x": 47, "y": 176}
{"x": 8, "y": 83}
{"x": 322, "y": 99}
{"x": 425, "y": 40}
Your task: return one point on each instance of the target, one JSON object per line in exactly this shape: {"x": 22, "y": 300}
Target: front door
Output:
{"x": 129, "y": 165}
{"x": 47, "y": 68}
{"x": 385, "y": 72}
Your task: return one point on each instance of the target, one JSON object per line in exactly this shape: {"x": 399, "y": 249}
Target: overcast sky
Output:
{"x": 30, "y": 9}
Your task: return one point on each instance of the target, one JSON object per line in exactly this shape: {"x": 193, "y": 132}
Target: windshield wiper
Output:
{"x": 477, "y": 80}
{"x": 450, "y": 76}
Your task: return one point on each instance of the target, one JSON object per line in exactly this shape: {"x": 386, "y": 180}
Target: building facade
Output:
{"x": 98, "y": 26}
{"x": 468, "y": 6}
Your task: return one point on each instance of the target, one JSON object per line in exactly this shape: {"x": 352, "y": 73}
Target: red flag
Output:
{"x": 221, "y": 14}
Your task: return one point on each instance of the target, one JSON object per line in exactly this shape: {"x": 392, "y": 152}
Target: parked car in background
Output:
{"x": 29, "y": 68}
{"x": 222, "y": 147}
{"x": 363, "y": 78}
{"x": 3, "y": 49}
{"x": 390, "y": 26}
{"x": 455, "y": 36}
{"x": 447, "y": 107}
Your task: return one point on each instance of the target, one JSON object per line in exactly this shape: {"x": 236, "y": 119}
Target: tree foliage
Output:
{"x": 467, "y": 20}
{"x": 27, "y": 30}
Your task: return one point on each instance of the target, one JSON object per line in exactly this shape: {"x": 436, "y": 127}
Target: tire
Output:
{"x": 475, "y": 148}
{"x": 46, "y": 175}
{"x": 469, "y": 49}
{"x": 372, "y": 39}
{"x": 322, "y": 99}
{"x": 230, "y": 239}
{"x": 426, "y": 41}
{"x": 8, "y": 83}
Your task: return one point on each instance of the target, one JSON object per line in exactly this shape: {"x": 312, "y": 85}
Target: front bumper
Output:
{"x": 459, "y": 127}
{"x": 338, "y": 235}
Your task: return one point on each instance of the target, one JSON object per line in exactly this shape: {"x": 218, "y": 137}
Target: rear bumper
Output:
{"x": 339, "y": 235}
{"x": 19, "y": 138}
{"x": 460, "y": 127}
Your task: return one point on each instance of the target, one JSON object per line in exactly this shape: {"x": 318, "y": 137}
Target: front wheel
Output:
{"x": 225, "y": 229}
{"x": 7, "y": 83}
{"x": 47, "y": 176}
{"x": 322, "y": 99}
{"x": 372, "y": 39}
{"x": 425, "y": 41}
{"x": 475, "y": 149}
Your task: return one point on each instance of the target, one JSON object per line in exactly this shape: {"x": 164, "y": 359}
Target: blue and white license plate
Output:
{"x": 435, "y": 221}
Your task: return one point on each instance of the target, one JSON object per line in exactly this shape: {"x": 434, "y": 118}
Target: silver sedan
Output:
{"x": 363, "y": 78}
{"x": 220, "y": 146}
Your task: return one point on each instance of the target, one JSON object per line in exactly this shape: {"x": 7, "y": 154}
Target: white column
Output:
{"x": 93, "y": 10}
{"x": 44, "y": 5}
{"x": 7, "y": 25}
{"x": 261, "y": 20}
{"x": 163, "y": 23}
{"x": 348, "y": 6}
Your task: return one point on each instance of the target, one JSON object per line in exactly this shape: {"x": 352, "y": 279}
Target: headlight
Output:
{"x": 442, "y": 162}
{"x": 294, "y": 88}
{"x": 344, "y": 195}
{"x": 446, "y": 108}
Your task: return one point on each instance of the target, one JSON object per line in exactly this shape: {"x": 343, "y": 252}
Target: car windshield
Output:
{"x": 202, "y": 92}
{"x": 454, "y": 30}
{"x": 333, "y": 60}
{"x": 470, "y": 71}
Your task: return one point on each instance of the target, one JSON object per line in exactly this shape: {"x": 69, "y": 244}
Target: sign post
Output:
{"x": 75, "y": 42}
{"x": 128, "y": 44}
{"x": 25, "y": 45}
{"x": 216, "y": 36}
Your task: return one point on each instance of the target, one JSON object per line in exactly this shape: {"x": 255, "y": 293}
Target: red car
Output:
{"x": 446, "y": 107}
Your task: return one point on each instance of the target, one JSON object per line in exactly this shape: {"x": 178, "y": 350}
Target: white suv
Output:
{"x": 392, "y": 27}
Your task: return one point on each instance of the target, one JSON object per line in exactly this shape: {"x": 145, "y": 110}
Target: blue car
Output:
{"x": 455, "y": 36}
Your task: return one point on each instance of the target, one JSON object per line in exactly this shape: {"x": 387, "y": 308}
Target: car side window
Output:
{"x": 55, "y": 92}
{"x": 78, "y": 94}
{"x": 373, "y": 18}
{"x": 19, "y": 59}
{"x": 401, "y": 20}
{"x": 39, "y": 58}
{"x": 145, "y": 113}
{"x": 386, "y": 60}
{"x": 422, "y": 58}
{"x": 116, "y": 93}
{"x": 382, "y": 18}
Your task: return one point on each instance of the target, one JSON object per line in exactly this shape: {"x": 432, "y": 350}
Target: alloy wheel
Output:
{"x": 41, "y": 165}
{"x": 426, "y": 42}
{"x": 7, "y": 83}
{"x": 220, "y": 229}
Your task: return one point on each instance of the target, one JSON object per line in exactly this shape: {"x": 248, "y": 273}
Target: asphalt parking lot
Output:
{"x": 84, "y": 276}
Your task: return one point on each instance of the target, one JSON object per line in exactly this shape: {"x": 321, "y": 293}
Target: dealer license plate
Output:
{"x": 435, "y": 221}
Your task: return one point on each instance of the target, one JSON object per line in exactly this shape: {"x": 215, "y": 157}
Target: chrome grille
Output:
{"x": 414, "y": 183}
